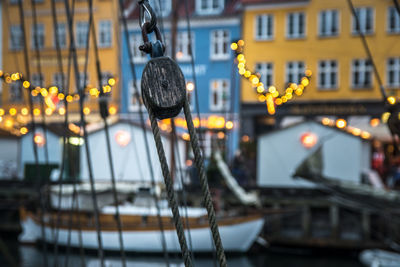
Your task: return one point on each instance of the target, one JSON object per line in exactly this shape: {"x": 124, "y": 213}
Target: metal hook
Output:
{"x": 147, "y": 17}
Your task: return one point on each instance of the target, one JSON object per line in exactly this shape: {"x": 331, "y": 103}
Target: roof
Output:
{"x": 232, "y": 7}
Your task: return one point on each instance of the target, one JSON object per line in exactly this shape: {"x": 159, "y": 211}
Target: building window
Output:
{"x": 393, "y": 20}
{"x": 136, "y": 100}
{"x": 105, "y": 33}
{"x": 209, "y": 7}
{"x": 328, "y": 23}
{"x": 15, "y": 37}
{"x": 183, "y": 46}
{"x": 266, "y": 71}
{"x": 136, "y": 41}
{"x": 327, "y": 74}
{"x": 366, "y": 20}
{"x": 393, "y": 72}
{"x": 220, "y": 40}
{"x": 58, "y": 79}
{"x": 294, "y": 71}
{"x": 38, "y": 36}
{"x": 295, "y": 25}
{"x": 61, "y": 35}
{"x": 161, "y": 7}
{"x": 105, "y": 76}
{"x": 361, "y": 73}
{"x": 219, "y": 95}
{"x": 82, "y": 81}
{"x": 264, "y": 27}
{"x": 37, "y": 79}
{"x": 15, "y": 92}
{"x": 82, "y": 29}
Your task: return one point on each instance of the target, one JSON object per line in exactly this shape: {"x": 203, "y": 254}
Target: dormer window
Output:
{"x": 209, "y": 7}
{"x": 161, "y": 7}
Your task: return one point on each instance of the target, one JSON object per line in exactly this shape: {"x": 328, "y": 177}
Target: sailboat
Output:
{"x": 141, "y": 232}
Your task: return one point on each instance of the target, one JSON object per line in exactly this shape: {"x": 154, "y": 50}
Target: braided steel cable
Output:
{"x": 199, "y": 161}
{"x": 170, "y": 190}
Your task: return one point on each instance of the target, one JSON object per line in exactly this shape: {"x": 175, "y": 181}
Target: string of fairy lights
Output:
{"x": 272, "y": 96}
{"x": 51, "y": 96}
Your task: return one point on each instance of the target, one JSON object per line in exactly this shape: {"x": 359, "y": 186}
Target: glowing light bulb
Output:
{"x": 12, "y": 111}
{"x": 24, "y": 111}
{"x": 229, "y": 125}
{"x": 341, "y": 123}
{"x": 234, "y": 46}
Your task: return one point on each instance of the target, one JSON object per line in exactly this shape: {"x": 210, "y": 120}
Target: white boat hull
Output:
{"x": 237, "y": 237}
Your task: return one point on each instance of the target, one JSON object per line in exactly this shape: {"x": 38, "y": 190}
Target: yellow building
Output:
{"x": 107, "y": 29}
{"x": 284, "y": 38}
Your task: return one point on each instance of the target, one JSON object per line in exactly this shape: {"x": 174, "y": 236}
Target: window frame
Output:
{"x": 265, "y": 37}
{"x": 185, "y": 54}
{"x": 135, "y": 107}
{"x": 166, "y": 8}
{"x": 108, "y": 34}
{"x": 225, "y": 42}
{"x": 353, "y": 22}
{"x": 137, "y": 55}
{"x": 209, "y": 10}
{"x": 19, "y": 46}
{"x": 360, "y": 87}
{"x": 299, "y": 71}
{"x": 397, "y": 21}
{"x": 329, "y": 32}
{"x": 79, "y": 31}
{"x": 265, "y": 71}
{"x": 40, "y": 31}
{"x": 396, "y": 70}
{"x": 295, "y": 36}
{"x": 223, "y": 106}
{"x": 64, "y": 36}
{"x": 328, "y": 71}
{"x": 17, "y": 85}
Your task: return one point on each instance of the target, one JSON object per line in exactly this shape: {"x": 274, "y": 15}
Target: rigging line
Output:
{"x": 39, "y": 67}
{"x": 65, "y": 85}
{"x": 189, "y": 30}
{"x": 35, "y": 151}
{"x": 199, "y": 160}
{"x": 75, "y": 178}
{"x": 104, "y": 113}
{"x": 170, "y": 190}
{"x": 143, "y": 126}
{"x": 85, "y": 136}
{"x": 184, "y": 195}
{"x": 367, "y": 50}
{"x": 397, "y": 5}
{"x": 197, "y": 103}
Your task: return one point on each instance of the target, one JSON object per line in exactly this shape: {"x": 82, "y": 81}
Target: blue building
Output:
{"x": 214, "y": 25}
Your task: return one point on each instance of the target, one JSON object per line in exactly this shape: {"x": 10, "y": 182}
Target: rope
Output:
{"x": 39, "y": 68}
{"x": 85, "y": 136}
{"x": 170, "y": 189}
{"x": 184, "y": 195}
{"x": 143, "y": 126}
{"x": 199, "y": 161}
{"x": 367, "y": 50}
{"x": 65, "y": 84}
{"x": 107, "y": 132}
{"x": 35, "y": 151}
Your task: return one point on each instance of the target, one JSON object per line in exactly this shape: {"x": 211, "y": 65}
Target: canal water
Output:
{"x": 31, "y": 256}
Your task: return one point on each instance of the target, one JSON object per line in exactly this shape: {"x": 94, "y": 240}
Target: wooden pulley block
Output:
{"x": 163, "y": 87}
